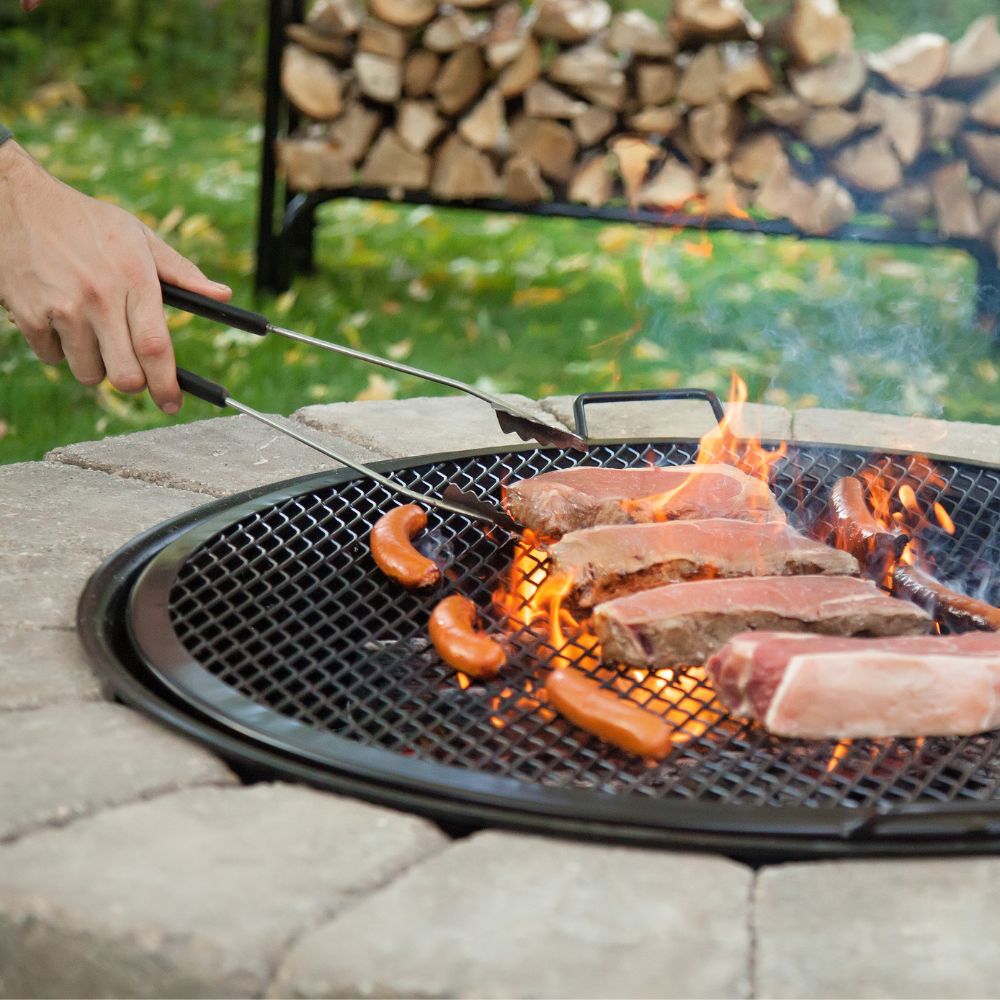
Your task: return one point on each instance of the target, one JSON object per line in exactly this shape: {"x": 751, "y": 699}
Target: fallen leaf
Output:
{"x": 401, "y": 350}
{"x": 171, "y": 220}
{"x": 178, "y": 320}
{"x": 538, "y": 296}
{"x": 391, "y": 307}
{"x": 648, "y": 350}
{"x": 988, "y": 371}
{"x": 378, "y": 388}
{"x": 418, "y": 290}
{"x": 285, "y": 301}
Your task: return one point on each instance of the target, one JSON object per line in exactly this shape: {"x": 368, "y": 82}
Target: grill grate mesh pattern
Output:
{"x": 287, "y": 607}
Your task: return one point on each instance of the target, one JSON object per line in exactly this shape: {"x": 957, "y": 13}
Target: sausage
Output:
{"x": 601, "y": 712}
{"x": 453, "y": 631}
{"x": 855, "y": 530}
{"x": 946, "y": 605}
{"x": 393, "y": 551}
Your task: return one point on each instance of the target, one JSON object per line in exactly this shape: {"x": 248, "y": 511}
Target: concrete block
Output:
{"x": 916, "y": 928}
{"x": 503, "y": 915}
{"x": 193, "y": 894}
{"x": 219, "y": 457}
{"x": 66, "y": 761}
{"x": 41, "y": 666}
{"x": 965, "y": 442}
{"x": 41, "y": 590}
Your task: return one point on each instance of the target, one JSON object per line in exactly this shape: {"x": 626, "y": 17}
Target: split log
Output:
{"x": 636, "y": 32}
{"x": 522, "y": 72}
{"x": 782, "y": 109}
{"x": 672, "y": 187}
{"x": 944, "y": 118}
{"x": 379, "y": 78}
{"x": 834, "y": 83}
{"x": 474, "y": 4}
{"x": 870, "y": 164}
{"x": 354, "y": 130}
{"x": 449, "y": 32}
{"x": 988, "y": 210}
{"x": 655, "y": 121}
{"x": 909, "y": 205}
{"x": 419, "y": 124}
{"x": 523, "y": 182}
{"x": 917, "y": 63}
{"x": 507, "y": 36}
{"x": 324, "y": 45}
{"x": 722, "y": 194}
{"x": 745, "y": 71}
{"x": 985, "y": 109}
{"x": 485, "y": 126}
{"x": 393, "y": 165}
{"x": 404, "y": 13}
{"x": 713, "y": 130}
{"x": 593, "y": 125}
{"x": 461, "y": 80}
{"x": 782, "y": 192}
{"x": 337, "y": 18}
{"x": 816, "y": 30}
{"x": 828, "y": 127}
{"x": 571, "y": 20}
{"x": 550, "y": 144}
{"x": 825, "y": 208}
{"x": 419, "y": 72}
{"x": 701, "y": 78}
{"x": 712, "y": 20}
{"x": 463, "y": 172}
{"x": 900, "y": 118}
{"x": 593, "y": 72}
{"x": 314, "y": 165}
{"x": 956, "y": 209}
{"x": 592, "y": 183}
{"x": 610, "y": 93}
{"x": 634, "y": 157}
{"x": 656, "y": 83}
{"x": 382, "y": 40}
{"x": 977, "y": 52}
{"x": 983, "y": 151}
{"x": 681, "y": 142}
{"x": 311, "y": 83}
{"x": 755, "y": 157}
{"x": 542, "y": 100}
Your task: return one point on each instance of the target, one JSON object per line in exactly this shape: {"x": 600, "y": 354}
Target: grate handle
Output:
{"x": 639, "y": 396}
{"x": 218, "y": 312}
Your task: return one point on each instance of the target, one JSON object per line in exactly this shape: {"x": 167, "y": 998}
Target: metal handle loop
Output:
{"x": 638, "y": 396}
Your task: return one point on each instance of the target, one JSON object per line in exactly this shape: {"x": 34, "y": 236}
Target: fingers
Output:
{"x": 42, "y": 340}
{"x": 178, "y": 270}
{"x": 151, "y": 342}
{"x": 78, "y": 342}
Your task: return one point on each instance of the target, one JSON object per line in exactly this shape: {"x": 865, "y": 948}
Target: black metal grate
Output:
{"x": 287, "y": 608}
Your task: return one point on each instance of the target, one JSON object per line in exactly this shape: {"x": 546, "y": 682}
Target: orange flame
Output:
{"x": 838, "y": 753}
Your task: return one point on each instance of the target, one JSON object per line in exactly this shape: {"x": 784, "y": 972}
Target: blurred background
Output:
{"x": 156, "y": 107}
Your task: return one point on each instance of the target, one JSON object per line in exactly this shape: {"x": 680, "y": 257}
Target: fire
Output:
{"x": 838, "y": 753}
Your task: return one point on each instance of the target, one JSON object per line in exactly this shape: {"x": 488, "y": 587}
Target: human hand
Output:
{"x": 80, "y": 279}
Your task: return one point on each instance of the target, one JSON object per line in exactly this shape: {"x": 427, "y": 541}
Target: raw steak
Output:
{"x": 613, "y": 560}
{"x": 820, "y": 687}
{"x": 687, "y": 622}
{"x": 557, "y": 502}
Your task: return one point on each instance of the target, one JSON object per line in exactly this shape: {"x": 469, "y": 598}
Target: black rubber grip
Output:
{"x": 220, "y": 312}
{"x": 195, "y": 385}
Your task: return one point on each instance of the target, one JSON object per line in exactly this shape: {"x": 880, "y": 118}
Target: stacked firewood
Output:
{"x": 711, "y": 112}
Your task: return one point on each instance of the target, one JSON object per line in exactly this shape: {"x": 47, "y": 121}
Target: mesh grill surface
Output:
{"x": 287, "y": 607}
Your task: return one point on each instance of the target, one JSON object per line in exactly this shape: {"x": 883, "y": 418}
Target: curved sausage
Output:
{"x": 453, "y": 631}
{"x": 601, "y": 712}
{"x": 944, "y": 604}
{"x": 393, "y": 551}
{"x": 855, "y": 529}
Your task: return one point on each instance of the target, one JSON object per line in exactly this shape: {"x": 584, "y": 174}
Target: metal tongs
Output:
{"x": 512, "y": 419}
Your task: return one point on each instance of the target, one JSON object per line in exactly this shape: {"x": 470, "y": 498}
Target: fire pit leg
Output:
{"x": 988, "y": 293}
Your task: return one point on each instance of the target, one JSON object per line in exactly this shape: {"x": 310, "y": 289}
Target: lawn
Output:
{"x": 519, "y": 305}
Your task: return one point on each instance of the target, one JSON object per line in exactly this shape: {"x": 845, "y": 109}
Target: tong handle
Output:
{"x": 202, "y": 388}
{"x": 218, "y": 312}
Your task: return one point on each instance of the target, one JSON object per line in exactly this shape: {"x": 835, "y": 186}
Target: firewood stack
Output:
{"x": 710, "y": 113}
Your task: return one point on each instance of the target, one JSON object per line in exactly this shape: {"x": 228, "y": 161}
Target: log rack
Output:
{"x": 287, "y": 220}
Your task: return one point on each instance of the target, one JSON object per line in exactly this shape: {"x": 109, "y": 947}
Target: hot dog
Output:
{"x": 601, "y": 712}
{"x": 393, "y": 551}
{"x": 855, "y": 530}
{"x": 946, "y": 605}
{"x": 453, "y": 631}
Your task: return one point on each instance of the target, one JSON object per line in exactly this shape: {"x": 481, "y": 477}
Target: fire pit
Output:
{"x": 261, "y": 626}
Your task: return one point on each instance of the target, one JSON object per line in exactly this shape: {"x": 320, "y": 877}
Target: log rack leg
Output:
{"x": 988, "y": 293}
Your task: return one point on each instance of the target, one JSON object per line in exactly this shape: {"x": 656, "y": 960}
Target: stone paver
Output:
{"x": 194, "y": 894}
{"x": 917, "y": 928}
{"x": 669, "y": 419}
{"x": 936, "y": 438}
{"x": 219, "y": 457}
{"x": 66, "y": 761}
{"x": 40, "y": 666}
{"x": 502, "y": 915}
{"x": 421, "y": 426}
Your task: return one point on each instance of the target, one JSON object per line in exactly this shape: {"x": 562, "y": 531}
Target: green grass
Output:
{"x": 528, "y": 306}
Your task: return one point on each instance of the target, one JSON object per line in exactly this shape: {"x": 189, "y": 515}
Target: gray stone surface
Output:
{"x": 918, "y": 928}
{"x": 936, "y": 438}
{"x": 40, "y": 666}
{"x": 502, "y": 915}
{"x": 66, "y": 761}
{"x": 421, "y": 426}
{"x": 41, "y": 590}
{"x": 669, "y": 419}
{"x": 193, "y": 894}
{"x": 219, "y": 457}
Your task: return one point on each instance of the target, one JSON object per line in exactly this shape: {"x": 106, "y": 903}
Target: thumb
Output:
{"x": 178, "y": 270}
